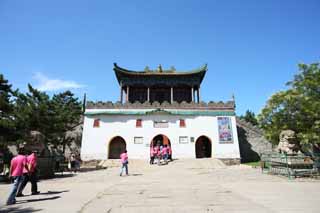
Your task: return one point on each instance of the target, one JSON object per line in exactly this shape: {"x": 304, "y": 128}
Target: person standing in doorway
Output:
{"x": 30, "y": 175}
{"x": 16, "y": 172}
{"x": 124, "y": 162}
{"x": 151, "y": 155}
{"x": 169, "y": 153}
{"x": 164, "y": 153}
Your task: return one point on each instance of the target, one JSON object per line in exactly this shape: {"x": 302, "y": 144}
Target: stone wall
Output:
{"x": 251, "y": 141}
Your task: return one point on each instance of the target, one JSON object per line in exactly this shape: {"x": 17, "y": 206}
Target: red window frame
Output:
{"x": 96, "y": 123}
{"x": 182, "y": 123}
{"x": 139, "y": 123}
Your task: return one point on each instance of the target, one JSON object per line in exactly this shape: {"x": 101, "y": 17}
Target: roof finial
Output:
{"x": 173, "y": 69}
{"x": 234, "y": 101}
{"x": 159, "y": 68}
{"x": 147, "y": 69}
{"x": 84, "y": 102}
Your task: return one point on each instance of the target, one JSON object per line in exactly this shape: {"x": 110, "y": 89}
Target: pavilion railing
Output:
{"x": 292, "y": 166}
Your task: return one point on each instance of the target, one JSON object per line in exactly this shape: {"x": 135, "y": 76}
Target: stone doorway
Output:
{"x": 117, "y": 145}
{"x": 203, "y": 147}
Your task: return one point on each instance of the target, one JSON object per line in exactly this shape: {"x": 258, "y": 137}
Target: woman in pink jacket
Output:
{"x": 124, "y": 162}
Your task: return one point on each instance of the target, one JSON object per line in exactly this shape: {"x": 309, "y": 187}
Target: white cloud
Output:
{"x": 46, "y": 84}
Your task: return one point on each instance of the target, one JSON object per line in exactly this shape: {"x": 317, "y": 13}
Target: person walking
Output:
{"x": 30, "y": 175}
{"x": 124, "y": 162}
{"x": 16, "y": 171}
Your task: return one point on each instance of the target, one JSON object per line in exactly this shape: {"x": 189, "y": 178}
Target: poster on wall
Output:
{"x": 225, "y": 130}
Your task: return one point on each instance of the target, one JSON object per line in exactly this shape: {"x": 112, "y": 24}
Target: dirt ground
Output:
{"x": 203, "y": 185}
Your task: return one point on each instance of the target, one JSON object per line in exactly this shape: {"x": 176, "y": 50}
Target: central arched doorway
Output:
{"x": 160, "y": 140}
{"x": 117, "y": 146}
{"x": 203, "y": 147}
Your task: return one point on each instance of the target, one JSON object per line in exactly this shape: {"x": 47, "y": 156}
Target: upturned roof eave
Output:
{"x": 202, "y": 69}
{"x": 122, "y": 71}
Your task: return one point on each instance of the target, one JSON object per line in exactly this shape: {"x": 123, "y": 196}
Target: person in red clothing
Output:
{"x": 164, "y": 153}
{"x": 124, "y": 162}
{"x": 30, "y": 175}
{"x": 151, "y": 155}
{"x": 18, "y": 163}
{"x": 169, "y": 153}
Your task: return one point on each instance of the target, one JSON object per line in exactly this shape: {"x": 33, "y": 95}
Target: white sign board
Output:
{"x": 183, "y": 139}
{"x": 160, "y": 124}
{"x": 138, "y": 140}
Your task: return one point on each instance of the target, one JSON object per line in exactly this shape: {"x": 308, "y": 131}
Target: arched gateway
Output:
{"x": 117, "y": 145}
{"x": 203, "y": 147}
{"x": 160, "y": 140}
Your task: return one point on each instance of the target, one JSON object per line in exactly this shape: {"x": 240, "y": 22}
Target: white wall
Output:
{"x": 95, "y": 141}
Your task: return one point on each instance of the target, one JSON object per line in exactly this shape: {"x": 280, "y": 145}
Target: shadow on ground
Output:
{"x": 37, "y": 199}
{"x": 19, "y": 209}
{"x": 83, "y": 170}
{"x": 53, "y": 192}
{"x": 135, "y": 174}
{"x": 49, "y": 193}
{"x": 63, "y": 175}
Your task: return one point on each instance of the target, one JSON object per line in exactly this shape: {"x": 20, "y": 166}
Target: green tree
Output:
{"x": 21, "y": 113}
{"x": 32, "y": 112}
{"x": 297, "y": 108}
{"x": 67, "y": 112}
{"x": 6, "y": 111}
{"x": 53, "y": 117}
{"x": 250, "y": 117}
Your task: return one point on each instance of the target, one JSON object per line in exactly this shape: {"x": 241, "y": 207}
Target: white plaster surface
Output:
{"x": 95, "y": 141}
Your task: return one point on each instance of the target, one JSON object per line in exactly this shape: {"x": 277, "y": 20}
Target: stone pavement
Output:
{"x": 203, "y": 185}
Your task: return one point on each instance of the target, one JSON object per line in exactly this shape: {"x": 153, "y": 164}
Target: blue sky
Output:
{"x": 252, "y": 48}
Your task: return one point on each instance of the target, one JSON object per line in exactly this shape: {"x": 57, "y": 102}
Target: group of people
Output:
{"x": 23, "y": 169}
{"x": 159, "y": 152}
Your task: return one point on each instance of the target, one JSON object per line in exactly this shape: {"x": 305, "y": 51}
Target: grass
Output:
{"x": 253, "y": 164}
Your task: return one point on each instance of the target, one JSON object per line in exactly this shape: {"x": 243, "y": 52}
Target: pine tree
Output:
{"x": 250, "y": 117}
{"x": 6, "y": 111}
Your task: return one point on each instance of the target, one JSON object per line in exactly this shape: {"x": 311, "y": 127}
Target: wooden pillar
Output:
{"x": 121, "y": 93}
{"x": 171, "y": 94}
{"x": 192, "y": 94}
{"x": 198, "y": 94}
{"x": 127, "y": 97}
{"x": 148, "y": 94}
